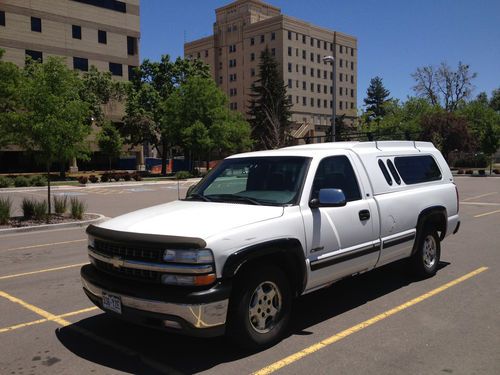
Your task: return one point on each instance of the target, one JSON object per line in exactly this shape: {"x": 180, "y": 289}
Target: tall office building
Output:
{"x": 244, "y": 28}
{"x": 102, "y": 33}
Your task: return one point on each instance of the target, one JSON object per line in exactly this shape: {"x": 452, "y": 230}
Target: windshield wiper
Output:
{"x": 237, "y": 198}
{"x": 198, "y": 196}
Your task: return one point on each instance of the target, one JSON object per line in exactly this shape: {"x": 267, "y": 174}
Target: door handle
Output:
{"x": 364, "y": 215}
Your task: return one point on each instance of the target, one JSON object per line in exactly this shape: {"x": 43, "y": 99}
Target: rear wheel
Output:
{"x": 259, "y": 308}
{"x": 426, "y": 259}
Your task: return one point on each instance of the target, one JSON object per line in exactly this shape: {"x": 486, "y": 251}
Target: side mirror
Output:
{"x": 329, "y": 198}
{"x": 190, "y": 189}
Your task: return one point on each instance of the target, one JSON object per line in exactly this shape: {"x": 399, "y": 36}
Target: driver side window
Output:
{"x": 336, "y": 172}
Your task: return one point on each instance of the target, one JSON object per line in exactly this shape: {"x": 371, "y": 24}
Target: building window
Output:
{"x": 318, "y": 89}
{"x": 232, "y": 48}
{"x": 304, "y": 100}
{"x": 304, "y": 70}
{"x": 102, "y": 37}
{"x": 331, "y": 104}
{"x": 132, "y": 46}
{"x": 252, "y": 72}
{"x": 273, "y": 36}
{"x": 325, "y": 74}
{"x": 340, "y": 91}
{"x": 312, "y": 57}
{"x": 35, "y": 55}
{"x": 289, "y": 83}
{"x": 341, "y": 62}
{"x": 304, "y": 54}
{"x": 80, "y": 63}
{"x": 297, "y": 100}
{"x": 252, "y": 41}
{"x": 232, "y": 77}
{"x": 290, "y": 67}
{"x": 116, "y": 69}
{"x": 232, "y": 63}
{"x": 36, "y": 24}
{"x": 318, "y": 102}
{"x": 340, "y": 77}
{"x": 352, "y": 105}
{"x": 318, "y": 73}
{"x": 273, "y": 51}
{"x": 233, "y": 106}
{"x": 233, "y": 92}
{"x": 262, "y": 38}
{"x": 312, "y": 72}
{"x": 198, "y": 55}
{"x": 131, "y": 72}
{"x": 325, "y": 46}
{"x": 116, "y": 5}
{"x": 2, "y": 18}
{"x": 289, "y": 35}
{"x": 304, "y": 39}
{"x": 76, "y": 31}
{"x": 352, "y": 65}
{"x": 289, "y": 51}
{"x": 318, "y": 58}
{"x": 352, "y": 93}
{"x": 290, "y": 99}
{"x": 312, "y": 87}
{"x": 312, "y": 102}
{"x": 297, "y": 83}
{"x": 352, "y": 79}
{"x": 325, "y": 103}
{"x": 325, "y": 90}
{"x": 352, "y": 51}
{"x": 341, "y": 49}
{"x": 206, "y": 53}
{"x": 312, "y": 42}
{"x": 252, "y": 56}
{"x": 340, "y": 104}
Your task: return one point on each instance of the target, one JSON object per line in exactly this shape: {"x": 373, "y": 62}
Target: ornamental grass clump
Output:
{"x": 60, "y": 204}
{"x": 5, "y": 205}
{"x": 28, "y": 208}
{"x": 40, "y": 210}
{"x": 77, "y": 208}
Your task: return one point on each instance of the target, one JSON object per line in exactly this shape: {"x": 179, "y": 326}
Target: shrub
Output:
{"x": 105, "y": 177}
{"x": 482, "y": 172}
{"x": 496, "y": 171}
{"x": 93, "y": 178}
{"x": 461, "y": 171}
{"x": 5, "y": 205}
{"x": 472, "y": 161}
{"x": 136, "y": 176}
{"x": 40, "y": 210}
{"x": 28, "y": 208}
{"x": 38, "y": 181}
{"x": 5, "y": 182}
{"x": 60, "y": 204}
{"x": 83, "y": 180}
{"x": 21, "y": 181}
{"x": 126, "y": 176}
{"x": 469, "y": 171}
{"x": 116, "y": 176}
{"x": 181, "y": 175}
{"x": 77, "y": 208}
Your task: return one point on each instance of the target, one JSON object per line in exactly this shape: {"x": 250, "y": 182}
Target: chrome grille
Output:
{"x": 128, "y": 252}
{"x": 129, "y": 273}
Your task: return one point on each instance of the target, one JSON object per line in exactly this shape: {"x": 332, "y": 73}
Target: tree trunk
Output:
{"x": 164, "y": 159}
{"x": 48, "y": 192}
{"x": 62, "y": 170}
{"x": 109, "y": 160}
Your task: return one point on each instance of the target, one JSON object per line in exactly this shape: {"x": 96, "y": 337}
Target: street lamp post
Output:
{"x": 331, "y": 60}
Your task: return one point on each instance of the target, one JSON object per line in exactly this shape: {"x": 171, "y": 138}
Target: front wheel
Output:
{"x": 260, "y": 308}
{"x": 425, "y": 261}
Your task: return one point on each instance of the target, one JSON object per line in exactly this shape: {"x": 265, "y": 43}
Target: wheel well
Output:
{"x": 286, "y": 255}
{"x": 434, "y": 217}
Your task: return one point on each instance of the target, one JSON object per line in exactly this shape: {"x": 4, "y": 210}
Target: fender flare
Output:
{"x": 438, "y": 213}
{"x": 289, "y": 249}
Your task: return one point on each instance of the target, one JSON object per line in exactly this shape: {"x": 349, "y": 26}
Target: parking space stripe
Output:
{"x": 41, "y": 271}
{"x": 349, "y": 331}
{"x": 480, "y": 196}
{"x": 487, "y": 213}
{"x": 44, "y": 245}
{"x": 27, "y": 324}
{"x": 35, "y": 309}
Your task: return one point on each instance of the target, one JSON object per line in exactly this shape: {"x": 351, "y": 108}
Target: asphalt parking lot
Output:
{"x": 382, "y": 322}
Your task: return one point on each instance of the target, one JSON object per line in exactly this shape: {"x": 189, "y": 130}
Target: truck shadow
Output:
{"x": 133, "y": 349}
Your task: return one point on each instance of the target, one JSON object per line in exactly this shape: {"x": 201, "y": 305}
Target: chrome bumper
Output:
{"x": 199, "y": 316}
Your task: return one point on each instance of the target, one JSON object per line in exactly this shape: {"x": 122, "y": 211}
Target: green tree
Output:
{"x": 56, "y": 121}
{"x": 269, "y": 108}
{"x": 495, "y": 100}
{"x": 151, "y": 87}
{"x": 376, "y": 97}
{"x": 208, "y": 126}
{"x": 110, "y": 141}
{"x": 10, "y": 100}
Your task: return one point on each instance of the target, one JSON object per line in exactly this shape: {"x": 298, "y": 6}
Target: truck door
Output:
{"x": 341, "y": 240}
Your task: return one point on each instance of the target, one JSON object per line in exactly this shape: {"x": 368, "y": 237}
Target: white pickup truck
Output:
{"x": 265, "y": 227}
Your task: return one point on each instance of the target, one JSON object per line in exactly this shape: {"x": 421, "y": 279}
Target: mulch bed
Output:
{"x": 18, "y": 222}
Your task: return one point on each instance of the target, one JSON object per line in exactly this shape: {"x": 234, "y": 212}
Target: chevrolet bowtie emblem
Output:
{"x": 117, "y": 262}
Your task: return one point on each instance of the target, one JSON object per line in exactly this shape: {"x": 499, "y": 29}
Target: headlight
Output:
{"x": 188, "y": 256}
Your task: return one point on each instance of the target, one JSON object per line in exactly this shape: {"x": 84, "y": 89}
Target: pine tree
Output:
{"x": 269, "y": 107}
{"x": 376, "y": 96}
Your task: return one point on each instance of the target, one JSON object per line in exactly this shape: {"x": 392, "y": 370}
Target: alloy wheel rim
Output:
{"x": 429, "y": 252}
{"x": 264, "y": 307}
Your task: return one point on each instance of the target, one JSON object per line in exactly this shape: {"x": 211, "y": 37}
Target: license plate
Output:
{"x": 112, "y": 302}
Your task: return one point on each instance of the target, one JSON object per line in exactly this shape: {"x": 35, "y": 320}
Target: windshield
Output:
{"x": 255, "y": 180}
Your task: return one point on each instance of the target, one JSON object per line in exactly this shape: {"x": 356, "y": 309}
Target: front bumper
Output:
{"x": 201, "y": 313}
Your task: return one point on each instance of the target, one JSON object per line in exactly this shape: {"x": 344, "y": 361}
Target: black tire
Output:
{"x": 426, "y": 258}
{"x": 242, "y": 326}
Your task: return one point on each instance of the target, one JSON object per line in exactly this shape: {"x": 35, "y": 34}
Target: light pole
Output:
{"x": 331, "y": 60}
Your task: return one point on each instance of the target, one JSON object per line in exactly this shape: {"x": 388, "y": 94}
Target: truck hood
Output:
{"x": 192, "y": 218}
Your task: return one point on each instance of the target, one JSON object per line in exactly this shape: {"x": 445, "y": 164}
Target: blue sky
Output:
{"x": 394, "y": 36}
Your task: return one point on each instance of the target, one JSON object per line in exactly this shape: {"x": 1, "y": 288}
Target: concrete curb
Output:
{"x": 99, "y": 185}
{"x": 36, "y": 228}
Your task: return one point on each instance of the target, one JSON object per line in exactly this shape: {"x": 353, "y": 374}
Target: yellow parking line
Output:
{"x": 44, "y": 245}
{"x": 349, "y": 331}
{"x": 487, "y": 213}
{"x": 42, "y": 271}
{"x": 22, "y": 325}
{"x": 479, "y": 196}
{"x": 36, "y": 310}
